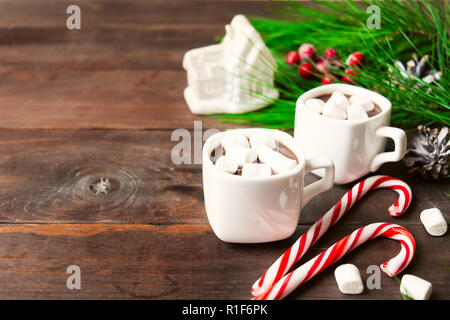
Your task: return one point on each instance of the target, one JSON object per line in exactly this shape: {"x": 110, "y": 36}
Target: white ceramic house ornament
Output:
{"x": 234, "y": 76}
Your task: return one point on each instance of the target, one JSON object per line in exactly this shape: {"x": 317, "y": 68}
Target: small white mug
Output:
{"x": 355, "y": 146}
{"x": 253, "y": 210}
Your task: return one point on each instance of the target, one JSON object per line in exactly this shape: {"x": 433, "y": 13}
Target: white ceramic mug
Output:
{"x": 252, "y": 210}
{"x": 355, "y": 146}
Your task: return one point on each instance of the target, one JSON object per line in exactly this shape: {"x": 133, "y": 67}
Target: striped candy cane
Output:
{"x": 282, "y": 265}
{"x": 302, "y": 274}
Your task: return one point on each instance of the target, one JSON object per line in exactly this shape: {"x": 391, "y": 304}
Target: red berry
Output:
{"x": 323, "y": 66}
{"x": 307, "y": 51}
{"x": 348, "y": 79}
{"x": 306, "y": 70}
{"x": 331, "y": 53}
{"x": 292, "y": 58}
{"x": 327, "y": 79}
{"x": 356, "y": 59}
{"x": 359, "y": 56}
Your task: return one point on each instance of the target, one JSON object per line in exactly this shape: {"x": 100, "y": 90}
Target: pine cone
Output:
{"x": 419, "y": 68}
{"x": 431, "y": 153}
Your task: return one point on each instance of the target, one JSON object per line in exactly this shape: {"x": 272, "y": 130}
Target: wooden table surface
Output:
{"x": 101, "y": 102}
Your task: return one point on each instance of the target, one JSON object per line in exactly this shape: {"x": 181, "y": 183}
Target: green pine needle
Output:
{"x": 406, "y": 27}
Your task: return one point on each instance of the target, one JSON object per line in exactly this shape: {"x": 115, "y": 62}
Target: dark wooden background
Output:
{"x": 102, "y": 102}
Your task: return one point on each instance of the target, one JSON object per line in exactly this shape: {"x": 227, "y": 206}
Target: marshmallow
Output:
{"x": 336, "y": 106}
{"x": 348, "y": 279}
{"x": 332, "y": 110}
{"x": 356, "y": 112}
{"x": 415, "y": 287}
{"x": 259, "y": 139}
{"x": 278, "y": 162}
{"x": 363, "y": 101}
{"x": 315, "y": 105}
{"x": 340, "y": 99}
{"x": 227, "y": 164}
{"x": 433, "y": 221}
{"x": 255, "y": 170}
{"x": 234, "y": 139}
{"x": 241, "y": 154}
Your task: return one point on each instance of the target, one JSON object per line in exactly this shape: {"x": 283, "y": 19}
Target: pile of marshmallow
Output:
{"x": 349, "y": 279}
{"x": 255, "y": 155}
{"x": 339, "y": 107}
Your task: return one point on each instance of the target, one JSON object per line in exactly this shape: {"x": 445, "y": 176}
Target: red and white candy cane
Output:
{"x": 282, "y": 265}
{"x": 325, "y": 259}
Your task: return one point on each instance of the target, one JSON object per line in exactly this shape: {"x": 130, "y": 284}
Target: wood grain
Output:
{"x": 117, "y": 13}
{"x": 50, "y": 176}
{"x": 124, "y": 100}
{"x": 100, "y": 104}
{"x": 159, "y": 262}
{"x": 153, "y": 47}
{"x": 114, "y": 72}
{"x": 90, "y": 100}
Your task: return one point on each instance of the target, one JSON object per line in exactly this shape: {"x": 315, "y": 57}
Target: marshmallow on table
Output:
{"x": 315, "y": 105}
{"x": 415, "y": 287}
{"x": 234, "y": 139}
{"x": 336, "y": 106}
{"x": 278, "y": 162}
{"x": 227, "y": 164}
{"x": 256, "y": 170}
{"x": 259, "y": 139}
{"x": 356, "y": 112}
{"x": 365, "y": 102}
{"x": 348, "y": 279}
{"x": 241, "y": 154}
{"x": 434, "y": 221}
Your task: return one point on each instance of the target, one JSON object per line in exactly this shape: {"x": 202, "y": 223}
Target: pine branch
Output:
{"x": 406, "y": 27}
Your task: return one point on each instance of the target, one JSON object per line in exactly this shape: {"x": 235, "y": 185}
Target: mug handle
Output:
{"x": 324, "y": 184}
{"x": 399, "y": 137}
